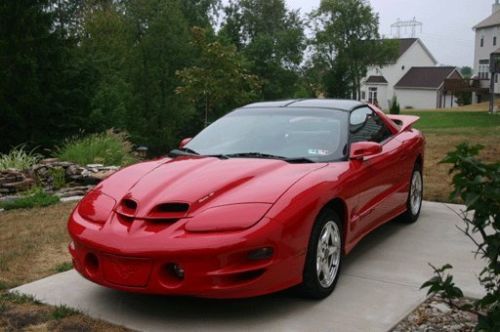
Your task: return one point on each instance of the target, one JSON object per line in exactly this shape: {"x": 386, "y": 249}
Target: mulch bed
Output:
{"x": 435, "y": 315}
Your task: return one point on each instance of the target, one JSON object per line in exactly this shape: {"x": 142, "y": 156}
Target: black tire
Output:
{"x": 412, "y": 213}
{"x": 311, "y": 286}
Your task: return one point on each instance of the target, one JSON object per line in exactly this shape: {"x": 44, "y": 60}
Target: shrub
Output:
{"x": 478, "y": 185}
{"x": 395, "y": 108}
{"x": 108, "y": 148}
{"x": 58, "y": 178}
{"x": 19, "y": 158}
{"x": 37, "y": 198}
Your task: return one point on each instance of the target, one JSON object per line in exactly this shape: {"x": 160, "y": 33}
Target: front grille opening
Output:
{"x": 172, "y": 208}
{"x": 125, "y": 219}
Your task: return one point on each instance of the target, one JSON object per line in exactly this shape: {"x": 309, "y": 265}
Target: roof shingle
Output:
{"x": 425, "y": 77}
{"x": 376, "y": 80}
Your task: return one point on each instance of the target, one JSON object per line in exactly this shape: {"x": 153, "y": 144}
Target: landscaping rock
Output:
{"x": 71, "y": 199}
{"x": 12, "y": 181}
{"x": 435, "y": 315}
{"x": 47, "y": 173}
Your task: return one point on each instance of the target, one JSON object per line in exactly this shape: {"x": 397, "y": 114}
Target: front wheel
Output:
{"x": 324, "y": 257}
{"x": 415, "y": 196}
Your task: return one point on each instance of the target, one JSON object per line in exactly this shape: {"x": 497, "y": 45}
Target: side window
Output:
{"x": 366, "y": 125}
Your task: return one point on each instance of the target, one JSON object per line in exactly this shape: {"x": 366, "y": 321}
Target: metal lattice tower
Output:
{"x": 411, "y": 25}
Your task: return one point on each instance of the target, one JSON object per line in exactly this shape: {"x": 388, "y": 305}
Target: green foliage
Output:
{"x": 41, "y": 82}
{"x": 395, "y": 108}
{"x": 478, "y": 185}
{"x": 108, "y": 148}
{"x": 62, "y": 311}
{"x": 346, "y": 42}
{"x": 19, "y": 158}
{"x": 218, "y": 79}
{"x": 272, "y": 38}
{"x": 466, "y": 72}
{"x": 36, "y": 198}
{"x": 58, "y": 176}
{"x": 63, "y": 267}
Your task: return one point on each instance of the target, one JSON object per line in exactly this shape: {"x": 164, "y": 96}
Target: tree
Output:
{"x": 160, "y": 46}
{"x": 477, "y": 185}
{"x": 466, "y": 71}
{"x": 40, "y": 81}
{"x": 346, "y": 42}
{"x": 219, "y": 80}
{"x": 272, "y": 38}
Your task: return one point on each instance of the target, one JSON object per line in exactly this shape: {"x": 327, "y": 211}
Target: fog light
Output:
{"x": 178, "y": 271}
{"x": 261, "y": 253}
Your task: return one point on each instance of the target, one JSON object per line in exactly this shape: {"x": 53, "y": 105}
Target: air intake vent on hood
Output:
{"x": 174, "y": 210}
{"x": 127, "y": 207}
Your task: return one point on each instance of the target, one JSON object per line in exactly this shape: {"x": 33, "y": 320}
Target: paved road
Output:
{"x": 379, "y": 286}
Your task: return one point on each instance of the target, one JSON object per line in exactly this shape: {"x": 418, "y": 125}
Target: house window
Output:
{"x": 373, "y": 95}
{"x": 494, "y": 41}
{"x": 496, "y": 78}
{"x": 484, "y": 69}
{"x": 363, "y": 95}
{"x": 482, "y": 41}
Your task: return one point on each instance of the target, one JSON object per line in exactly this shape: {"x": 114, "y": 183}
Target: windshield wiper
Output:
{"x": 299, "y": 160}
{"x": 183, "y": 152}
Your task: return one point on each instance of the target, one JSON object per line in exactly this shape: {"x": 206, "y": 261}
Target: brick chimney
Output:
{"x": 496, "y": 6}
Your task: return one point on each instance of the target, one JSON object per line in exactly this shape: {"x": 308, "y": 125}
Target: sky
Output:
{"x": 447, "y": 24}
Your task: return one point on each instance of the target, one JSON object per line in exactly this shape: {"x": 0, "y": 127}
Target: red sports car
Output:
{"x": 270, "y": 196}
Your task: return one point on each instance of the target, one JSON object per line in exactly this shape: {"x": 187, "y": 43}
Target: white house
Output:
{"x": 413, "y": 78}
{"x": 487, "y": 42}
{"x": 423, "y": 88}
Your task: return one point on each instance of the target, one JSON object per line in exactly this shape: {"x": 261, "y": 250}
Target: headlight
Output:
{"x": 225, "y": 218}
{"x": 96, "y": 207}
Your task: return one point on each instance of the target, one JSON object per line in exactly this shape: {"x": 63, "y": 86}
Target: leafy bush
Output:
{"x": 108, "y": 148}
{"x": 395, "y": 108}
{"x": 38, "y": 198}
{"x": 478, "y": 185}
{"x": 19, "y": 158}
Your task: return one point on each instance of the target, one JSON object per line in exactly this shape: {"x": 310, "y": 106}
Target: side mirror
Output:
{"x": 184, "y": 142}
{"x": 360, "y": 150}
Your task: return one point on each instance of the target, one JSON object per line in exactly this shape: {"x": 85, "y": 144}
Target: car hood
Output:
{"x": 204, "y": 182}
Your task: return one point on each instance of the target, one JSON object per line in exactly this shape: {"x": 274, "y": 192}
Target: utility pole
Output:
{"x": 410, "y": 24}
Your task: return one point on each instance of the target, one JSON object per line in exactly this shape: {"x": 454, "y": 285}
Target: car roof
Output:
{"x": 336, "y": 104}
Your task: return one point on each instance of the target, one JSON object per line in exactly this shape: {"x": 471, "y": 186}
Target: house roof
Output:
{"x": 376, "y": 80}
{"x": 405, "y": 44}
{"x": 490, "y": 21}
{"x": 425, "y": 77}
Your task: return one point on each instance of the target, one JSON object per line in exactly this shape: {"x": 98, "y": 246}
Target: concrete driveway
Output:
{"x": 379, "y": 286}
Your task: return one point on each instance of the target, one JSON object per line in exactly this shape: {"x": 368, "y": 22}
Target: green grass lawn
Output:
{"x": 449, "y": 122}
{"x": 457, "y": 123}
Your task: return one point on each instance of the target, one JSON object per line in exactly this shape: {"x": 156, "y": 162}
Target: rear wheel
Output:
{"x": 415, "y": 196}
{"x": 324, "y": 257}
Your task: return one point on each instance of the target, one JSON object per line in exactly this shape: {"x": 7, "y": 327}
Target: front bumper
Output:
{"x": 146, "y": 259}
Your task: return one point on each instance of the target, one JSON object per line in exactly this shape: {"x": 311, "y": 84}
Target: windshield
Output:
{"x": 317, "y": 135}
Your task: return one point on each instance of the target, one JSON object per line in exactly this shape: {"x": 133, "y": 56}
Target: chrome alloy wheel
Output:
{"x": 328, "y": 254}
{"x": 416, "y": 192}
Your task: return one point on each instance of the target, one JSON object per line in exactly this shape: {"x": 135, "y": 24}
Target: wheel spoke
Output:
{"x": 328, "y": 254}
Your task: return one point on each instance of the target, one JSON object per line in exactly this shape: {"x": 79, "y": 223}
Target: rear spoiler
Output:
{"x": 404, "y": 122}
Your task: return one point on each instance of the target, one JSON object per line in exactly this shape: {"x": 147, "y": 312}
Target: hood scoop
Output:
{"x": 169, "y": 210}
{"x": 127, "y": 208}
{"x": 163, "y": 212}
